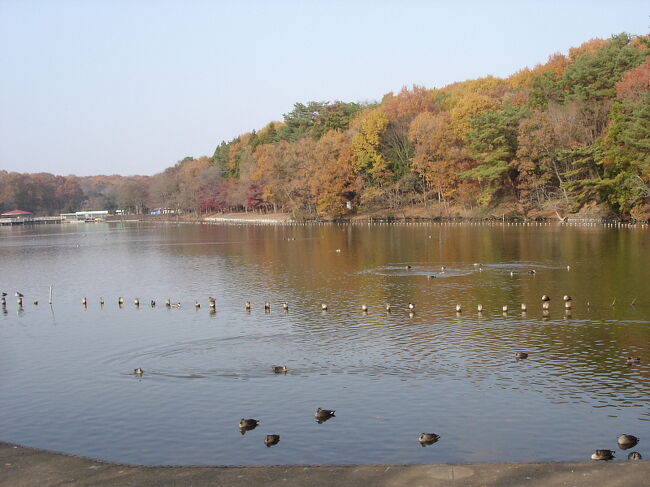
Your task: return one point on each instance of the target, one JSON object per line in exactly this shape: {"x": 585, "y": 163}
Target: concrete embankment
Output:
{"x": 21, "y": 467}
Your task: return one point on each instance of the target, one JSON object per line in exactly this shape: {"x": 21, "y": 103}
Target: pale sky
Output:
{"x": 132, "y": 86}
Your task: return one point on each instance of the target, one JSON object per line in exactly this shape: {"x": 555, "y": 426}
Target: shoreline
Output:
{"x": 24, "y": 466}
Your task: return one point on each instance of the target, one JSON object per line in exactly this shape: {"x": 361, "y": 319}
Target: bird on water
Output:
{"x": 428, "y": 438}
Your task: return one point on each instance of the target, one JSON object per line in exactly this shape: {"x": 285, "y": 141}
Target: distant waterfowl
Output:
{"x": 635, "y": 455}
{"x": 545, "y": 297}
{"x": 153, "y": 303}
{"x": 387, "y": 307}
{"x": 512, "y": 273}
{"x": 35, "y": 303}
{"x": 280, "y": 369}
{"x": 285, "y": 306}
{"x": 567, "y": 297}
{"x": 431, "y": 276}
{"x": 411, "y": 306}
{"x": 3, "y": 294}
{"x": 101, "y": 301}
{"x": 120, "y": 300}
{"x": 271, "y": 440}
{"x": 267, "y": 305}
{"x": 323, "y": 307}
{"x": 138, "y": 371}
{"x": 602, "y": 455}
{"x": 458, "y": 308}
{"x": 521, "y": 355}
{"x": 407, "y": 267}
{"x": 523, "y": 306}
{"x": 504, "y": 308}
{"x": 428, "y": 438}
{"x": 19, "y": 295}
{"x": 627, "y": 441}
{"x": 175, "y": 305}
{"x": 568, "y": 268}
{"x": 632, "y": 360}
{"x": 136, "y": 302}
{"x": 476, "y": 264}
{"x": 247, "y": 305}
{"x": 168, "y": 303}
{"x": 197, "y": 305}
{"x": 532, "y": 271}
{"x": 364, "y": 308}
{"x": 324, "y": 414}
{"x": 248, "y": 424}
{"x": 443, "y": 269}
{"x": 337, "y": 250}
{"x": 84, "y": 301}
{"x": 479, "y": 308}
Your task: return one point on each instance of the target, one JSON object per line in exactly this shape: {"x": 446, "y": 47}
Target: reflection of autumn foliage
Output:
{"x": 547, "y": 140}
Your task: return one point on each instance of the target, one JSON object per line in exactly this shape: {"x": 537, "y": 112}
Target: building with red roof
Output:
{"x": 17, "y": 214}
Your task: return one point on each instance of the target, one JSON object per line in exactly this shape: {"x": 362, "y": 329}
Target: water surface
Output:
{"x": 66, "y": 371}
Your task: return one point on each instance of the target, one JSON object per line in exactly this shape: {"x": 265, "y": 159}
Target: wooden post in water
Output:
{"x": 50, "y": 294}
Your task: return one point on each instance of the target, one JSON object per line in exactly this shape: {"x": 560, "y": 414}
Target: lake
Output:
{"x": 66, "y": 371}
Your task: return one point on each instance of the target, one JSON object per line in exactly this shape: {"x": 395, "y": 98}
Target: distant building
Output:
{"x": 84, "y": 216}
{"x": 17, "y": 214}
{"x": 163, "y": 211}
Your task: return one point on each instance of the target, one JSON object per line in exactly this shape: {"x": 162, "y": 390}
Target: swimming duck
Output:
{"x": 197, "y": 305}
{"x": 168, "y": 302}
{"x": 271, "y": 440}
{"x": 627, "y": 441}
{"x": 120, "y": 300}
{"x": 407, "y": 267}
{"x": 504, "y": 308}
{"x": 138, "y": 371}
{"x": 247, "y": 305}
{"x": 521, "y": 355}
{"x": 19, "y": 295}
{"x": 431, "y": 276}
{"x": 285, "y": 306}
{"x": 443, "y": 269}
{"x": 632, "y": 360}
{"x": 267, "y": 305}
{"x": 567, "y": 297}
{"x": 479, "y": 308}
{"x": 635, "y": 455}
{"x": 545, "y": 297}
{"x": 512, "y": 274}
{"x": 388, "y": 307}
{"x": 248, "y": 424}
{"x": 364, "y": 308}
{"x": 84, "y": 301}
{"x": 602, "y": 455}
{"x": 280, "y": 369}
{"x": 35, "y": 303}
{"x": 458, "y": 308}
{"x": 136, "y": 302}
{"x": 323, "y": 307}
{"x": 3, "y": 294}
{"x": 428, "y": 438}
{"x": 532, "y": 271}
{"x": 101, "y": 301}
{"x": 411, "y": 306}
{"x": 153, "y": 303}
{"x": 523, "y": 306}
{"x": 324, "y": 414}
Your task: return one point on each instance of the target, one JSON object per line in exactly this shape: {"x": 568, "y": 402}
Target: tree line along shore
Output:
{"x": 567, "y": 138}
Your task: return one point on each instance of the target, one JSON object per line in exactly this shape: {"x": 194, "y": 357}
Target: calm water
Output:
{"x": 66, "y": 380}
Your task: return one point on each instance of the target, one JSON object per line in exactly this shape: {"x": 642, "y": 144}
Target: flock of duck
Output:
{"x": 624, "y": 441}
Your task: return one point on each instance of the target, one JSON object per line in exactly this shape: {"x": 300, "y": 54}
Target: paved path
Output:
{"x": 21, "y": 467}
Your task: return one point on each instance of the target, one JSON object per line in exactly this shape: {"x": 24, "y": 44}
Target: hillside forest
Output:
{"x": 571, "y": 136}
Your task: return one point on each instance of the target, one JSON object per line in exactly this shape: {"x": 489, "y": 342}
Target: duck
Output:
{"x": 504, "y": 308}
{"x": 285, "y": 306}
{"x": 521, "y": 355}
{"x": 3, "y": 294}
{"x": 138, "y": 371}
{"x": 512, "y": 274}
{"x": 280, "y": 369}
{"x": 153, "y": 303}
{"x": 84, "y": 301}
{"x": 323, "y": 307}
{"x": 267, "y": 305}
{"x": 458, "y": 308}
{"x": 324, "y": 414}
{"x": 19, "y": 295}
{"x": 271, "y": 440}
{"x": 387, "y": 307}
{"x": 120, "y": 300}
{"x": 523, "y": 307}
{"x": 602, "y": 455}
{"x": 532, "y": 272}
{"x": 248, "y": 424}
{"x": 35, "y": 302}
{"x": 247, "y": 305}
{"x": 545, "y": 297}
{"x": 431, "y": 276}
{"x": 197, "y": 305}
{"x": 411, "y": 306}
{"x": 567, "y": 297}
{"x": 168, "y": 302}
{"x": 101, "y": 301}
{"x": 632, "y": 360}
{"x": 443, "y": 269}
{"x": 635, "y": 455}
{"x": 627, "y": 441}
{"x": 407, "y": 267}
{"x": 136, "y": 302}
{"x": 428, "y": 438}
{"x": 479, "y": 308}
{"x": 364, "y": 308}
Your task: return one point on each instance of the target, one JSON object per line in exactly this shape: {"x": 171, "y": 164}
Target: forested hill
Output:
{"x": 571, "y": 135}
